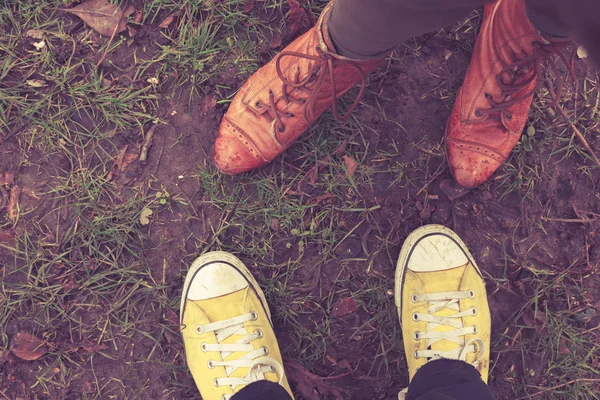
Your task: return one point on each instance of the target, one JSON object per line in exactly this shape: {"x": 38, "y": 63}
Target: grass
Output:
{"x": 103, "y": 290}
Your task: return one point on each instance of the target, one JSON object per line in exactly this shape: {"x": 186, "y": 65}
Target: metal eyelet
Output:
{"x": 474, "y": 311}
{"x": 415, "y": 317}
{"x": 258, "y": 104}
{"x": 291, "y": 115}
{"x": 509, "y": 117}
{"x": 413, "y": 298}
{"x": 259, "y": 333}
{"x": 416, "y": 336}
{"x": 204, "y": 347}
{"x": 199, "y": 330}
{"x": 281, "y": 128}
{"x": 478, "y": 113}
{"x": 254, "y": 315}
{"x": 223, "y": 397}
{"x": 265, "y": 350}
{"x": 216, "y": 382}
{"x": 416, "y": 354}
{"x": 211, "y": 364}
{"x": 475, "y": 330}
{"x": 471, "y": 294}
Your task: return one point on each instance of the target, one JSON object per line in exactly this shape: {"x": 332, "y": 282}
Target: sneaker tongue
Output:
{"x": 445, "y": 281}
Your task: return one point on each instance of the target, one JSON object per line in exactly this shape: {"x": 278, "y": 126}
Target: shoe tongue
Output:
{"x": 445, "y": 281}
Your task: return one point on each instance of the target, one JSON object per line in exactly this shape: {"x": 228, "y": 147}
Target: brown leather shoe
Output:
{"x": 284, "y": 97}
{"x": 493, "y": 104}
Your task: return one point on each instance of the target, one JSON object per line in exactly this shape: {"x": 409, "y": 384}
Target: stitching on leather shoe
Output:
{"x": 243, "y": 138}
{"x": 478, "y": 148}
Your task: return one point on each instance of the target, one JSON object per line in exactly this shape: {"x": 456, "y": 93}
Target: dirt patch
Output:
{"x": 520, "y": 233}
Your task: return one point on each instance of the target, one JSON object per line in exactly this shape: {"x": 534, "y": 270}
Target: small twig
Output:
{"x": 529, "y": 396}
{"x": 114, "y": 32}
{"x": 572, "y": 220}
{"x": 582, "y": 139}
{"x": 160, "y": 154}
{"x": 147, "y": 144}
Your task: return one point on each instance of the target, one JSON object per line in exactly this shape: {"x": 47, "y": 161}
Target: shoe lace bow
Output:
{"x": 255, "y": 360}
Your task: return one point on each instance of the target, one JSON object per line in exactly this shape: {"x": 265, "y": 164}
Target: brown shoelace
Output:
{"x": 323, "y": 67}
{"x": 521, "y": 68}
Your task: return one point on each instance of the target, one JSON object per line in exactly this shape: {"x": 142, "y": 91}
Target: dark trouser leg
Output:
{"x": 262, "y": 390}
{"x": 448, "y": 380}
{"x": 364, "y": 29}
{"x": 369, "y": 28}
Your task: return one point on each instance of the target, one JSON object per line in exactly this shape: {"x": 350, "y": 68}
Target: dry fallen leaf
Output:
{"x": 145, "y": 216}
{"x": 207, "y": 104}
{"x": 311, "y": 386}
{"x": 582, "y": 52}
{"x": 275, "y": 41}
{"x": 36, "y": 83}
{"x": 13, "y": 203}
{"x": 299, "y": 17}
{"x": 351, "y": 165}
{"x": 344, "y": 307}
{"x": 35, "y": 34}
{"x": 167, "y": 21}
{"x": 102, "y": 16}
{"x": 249, "y": 6}
{"x": 27, "y": 347}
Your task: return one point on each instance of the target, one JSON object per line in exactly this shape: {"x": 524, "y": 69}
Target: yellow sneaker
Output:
{"x": 227, "y": 330}
{"x": 441, "y": 300}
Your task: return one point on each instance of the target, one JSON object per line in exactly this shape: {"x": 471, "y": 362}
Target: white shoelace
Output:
{"x": 255, "y": 360}
{"x": 437, "y": 302}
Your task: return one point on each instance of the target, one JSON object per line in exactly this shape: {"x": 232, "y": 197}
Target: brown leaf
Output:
{"x": 13, "y": 203}
{"x": 137, "y": 17}
{"x": 30, "y": 193}
{"x": 249, "y": 6}
{"x": 6, "y": 237}
{"x": 324, "y": 197}
{"x": 275, "y": 41}
{"x": 275, "y": 224}
{"x": 298, "y": 17}
{"x": 172, "y": 317}
{"x": 102, "y": 16}
{"x": 207, "y": 104}
{"x": 167, "y": 21}
{"x": 564, "y": 346}
{"x": 311, "y": 386}
{"x": 9, "y": 178}
{"x": 351, "y": 165}
{"x": 344, "y": 306}
{"x": 27, "y": 347}
{"x": 94, "y": 347}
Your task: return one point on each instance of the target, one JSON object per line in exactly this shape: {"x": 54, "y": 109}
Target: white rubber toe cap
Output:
{"x": 436, "y": 251}
{"x": 215, "y": 279}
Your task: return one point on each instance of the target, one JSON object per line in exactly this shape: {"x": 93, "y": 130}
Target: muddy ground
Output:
{"x": 515, "y": 227}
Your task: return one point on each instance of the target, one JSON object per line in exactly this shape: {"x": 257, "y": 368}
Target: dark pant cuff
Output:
{"x": 448, "y": 380}
{"x": 262, "y": 390}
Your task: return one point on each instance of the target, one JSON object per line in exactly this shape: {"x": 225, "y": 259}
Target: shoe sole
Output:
{"x": 225, "y": 258}
{"x": 406, "y": 251}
